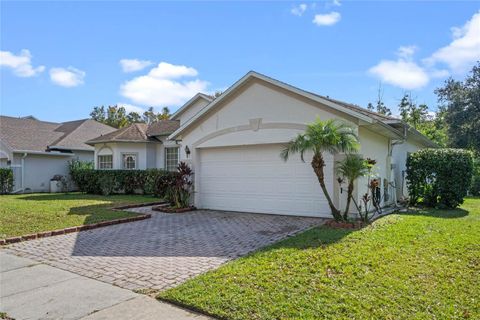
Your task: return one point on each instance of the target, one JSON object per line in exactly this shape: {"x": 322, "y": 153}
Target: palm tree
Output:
{"x": 351, "y": 168}
{"x": 332, "y": 136}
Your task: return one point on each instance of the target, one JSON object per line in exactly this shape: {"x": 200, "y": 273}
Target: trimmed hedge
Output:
{"x": 119, "y": 181}
{"x": 6, "y": 180}
{"x": 475, "y": 186}
{"x": 439, "y": 177}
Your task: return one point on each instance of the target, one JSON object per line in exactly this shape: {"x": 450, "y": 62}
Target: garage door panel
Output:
{"x": 283, "y": 187}
{"x": 255, "y": 179}
{"x": 263, "y": 204}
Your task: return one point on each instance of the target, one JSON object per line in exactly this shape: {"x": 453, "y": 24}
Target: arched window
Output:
{"x": 129, "y": 161}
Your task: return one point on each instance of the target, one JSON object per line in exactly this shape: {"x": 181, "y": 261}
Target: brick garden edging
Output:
{"x": 101, "y": 224}
{"x": 138, "y": 205}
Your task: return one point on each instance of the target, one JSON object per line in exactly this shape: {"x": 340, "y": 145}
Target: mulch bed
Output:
{"x": 168, "y": 209}
{"x": 345, "y": 225}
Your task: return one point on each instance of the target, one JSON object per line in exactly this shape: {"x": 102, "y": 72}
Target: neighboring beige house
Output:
{"x": 38, "y": 150}
{"x": 138, "y": 146}
{"x": 233, "y": 144}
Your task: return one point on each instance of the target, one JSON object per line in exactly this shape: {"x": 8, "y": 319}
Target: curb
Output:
{"x": 139, "y": 205}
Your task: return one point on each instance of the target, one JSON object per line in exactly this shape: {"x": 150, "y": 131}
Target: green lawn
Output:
{"x": 423, "y": 265}
{"x": 29, "y": 213}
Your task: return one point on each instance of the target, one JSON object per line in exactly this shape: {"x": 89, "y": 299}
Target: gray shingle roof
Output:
{"x": 34, "y": 135}
{"x": 163, "y": 127}
{"x": 138, "y": 132}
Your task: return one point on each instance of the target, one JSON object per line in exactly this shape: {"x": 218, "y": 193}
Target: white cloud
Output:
{"x": 464, "y": 51}
{"x": 401, "y": 73}
{"x": 460, "y": 55}
{"x": 131, "y": 65}
{"x": 164, "y": 86}
{"x": 299, "y": 10}
{"x": 170, "y": 71}
{"x": 131, "y": 108}
{"x": 406, "y": 52}
{"x": 328, "y": 19}
{"x": 20, "y": 64}
{"x": 336, "y": 3}
{"x": 67, "y": 77}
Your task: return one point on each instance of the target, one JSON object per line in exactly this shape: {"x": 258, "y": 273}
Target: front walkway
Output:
{"x": 163, "y": 251}
{"x": 31, "y": 290}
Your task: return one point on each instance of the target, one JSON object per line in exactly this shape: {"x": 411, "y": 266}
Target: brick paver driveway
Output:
{"x": 163, "y": 251}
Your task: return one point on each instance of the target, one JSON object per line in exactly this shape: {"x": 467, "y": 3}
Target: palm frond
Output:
{"x": 299, "y": 144}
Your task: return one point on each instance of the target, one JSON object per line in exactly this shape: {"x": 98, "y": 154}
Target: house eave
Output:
{"x": 69, "y": 148}
{"x": 48, "y": 153}
{"x": 253, "y": 74}
{"x": 93, "y": 143}
{"x": 183, "y": 108}
{"x": 421, "y": 137}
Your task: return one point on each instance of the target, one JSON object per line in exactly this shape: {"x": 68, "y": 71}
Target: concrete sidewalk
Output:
{"x": 32, "y": 290}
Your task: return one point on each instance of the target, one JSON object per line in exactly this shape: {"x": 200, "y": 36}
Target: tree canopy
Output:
{"x": 117, "y": 116}
{"x": 460, "y": 106}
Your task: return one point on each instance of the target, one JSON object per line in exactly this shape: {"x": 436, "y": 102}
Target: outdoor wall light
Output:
{"x": 187, "y": 151}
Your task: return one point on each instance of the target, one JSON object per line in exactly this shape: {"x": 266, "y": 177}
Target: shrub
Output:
{"x": 117, "y": 181}
{"x": 6, "y": 180}
{"x": 439, "y": 177}
{"x": 179, "y": 191}
{"x": 475, "y": 186}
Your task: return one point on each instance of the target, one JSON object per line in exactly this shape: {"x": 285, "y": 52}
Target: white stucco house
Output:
{"x": 233, "y": 144}
{"x": 38, "y": 150}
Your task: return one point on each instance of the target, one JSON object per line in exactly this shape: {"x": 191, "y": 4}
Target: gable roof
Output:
{"x": 347, "y": 108}
{"x": 29, "y": 134}
{"x": 138, "y": 132}
{"x": 195, "y": 98}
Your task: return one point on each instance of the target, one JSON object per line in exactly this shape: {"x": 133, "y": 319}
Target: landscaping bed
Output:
{"x": 167, "y": 209}
{"x": 33, "y": 214}
{"x": 417, "y": 265}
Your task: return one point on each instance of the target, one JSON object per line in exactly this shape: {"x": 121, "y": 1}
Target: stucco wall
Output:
{"x": 38, "y": 169}
{"x": 192, "y": 110}
{"x": 258, "y": 101}
{"x": 118, "y": 149}
{"x": 374, "y": 146}
{"x": 399, "y": 158}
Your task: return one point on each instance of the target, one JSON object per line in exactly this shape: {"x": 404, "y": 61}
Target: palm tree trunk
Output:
{"x": 317, "y": 164}
{"x": 349, "y": 198}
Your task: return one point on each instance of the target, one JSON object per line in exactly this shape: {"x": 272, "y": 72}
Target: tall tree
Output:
{"x": 330, "y": 136}
{"x": 116, "y": 116}
{"x": 411, "y": 113}
{"x": 134, "y": 117}
{"x": 380, "y": 106}
{"x": 165, "y": 115}
{"x": 98, "y": 114}
{"x": 432, "y": 126}
{"x": 460, "y": 101}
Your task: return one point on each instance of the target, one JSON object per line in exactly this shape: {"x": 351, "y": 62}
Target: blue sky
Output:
{"x": 60, "y": 59}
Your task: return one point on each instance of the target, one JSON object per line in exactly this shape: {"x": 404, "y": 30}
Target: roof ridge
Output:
{"x": 26, "y": 119}
{"x": 69, "y": 133}
{"x": 139, "y": 129}
{"x": 322, "y": 96}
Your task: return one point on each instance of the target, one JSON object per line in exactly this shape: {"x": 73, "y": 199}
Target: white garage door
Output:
{"x": 255, "y": 179}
